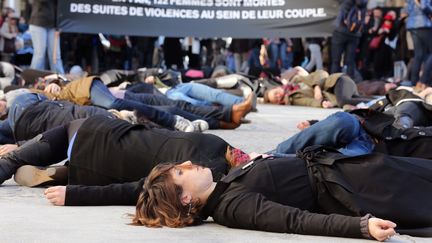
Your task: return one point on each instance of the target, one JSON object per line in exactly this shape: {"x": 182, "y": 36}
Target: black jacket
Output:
{"x": 306, "y": 195}
{"x": 280, "y": 195}
{"x": 48, "y": 114}
{"x": 413, "y": 142}
{"x": 44, "y": 13}
{"x": 109, "y": 151}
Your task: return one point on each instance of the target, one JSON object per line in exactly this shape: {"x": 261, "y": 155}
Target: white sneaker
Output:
{"x": 200, "y": 125}
{"x": 183, "y": 124}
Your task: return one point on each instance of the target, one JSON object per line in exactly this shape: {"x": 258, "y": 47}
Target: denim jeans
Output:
{"x": 43, "y": 40}
{"x": 343, "y": 43}
{"x": 200, "y": 94}
{"x": 101, "y": 96}
{"x": 340, "y": 130}
{"x": 422, "y": 48}
{"x": 182, "y": 108}
{"x": 279, "y": 51}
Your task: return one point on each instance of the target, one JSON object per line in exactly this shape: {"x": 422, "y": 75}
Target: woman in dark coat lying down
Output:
{"x": 317, "y": 193}
{"x": 103, "y": 150}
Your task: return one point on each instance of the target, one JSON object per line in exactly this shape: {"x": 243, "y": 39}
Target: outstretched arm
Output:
{"x": 79, "y": 195}
{"x": 253, "y": 211}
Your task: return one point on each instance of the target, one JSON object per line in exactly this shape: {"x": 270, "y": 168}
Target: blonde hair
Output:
{"x": 159, "y": 204}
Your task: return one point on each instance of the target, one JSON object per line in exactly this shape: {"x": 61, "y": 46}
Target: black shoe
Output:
{"x": 32, "y": 176}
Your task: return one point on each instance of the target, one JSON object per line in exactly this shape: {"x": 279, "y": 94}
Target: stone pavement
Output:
{"x": 25, "y": 215}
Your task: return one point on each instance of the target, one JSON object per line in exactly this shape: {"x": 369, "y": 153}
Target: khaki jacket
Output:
{"x": 77, "y": 91}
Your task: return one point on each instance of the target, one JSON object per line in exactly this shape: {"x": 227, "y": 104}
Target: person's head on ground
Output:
{"x": 173, "y": 195}
{"x": 274, "y": 96}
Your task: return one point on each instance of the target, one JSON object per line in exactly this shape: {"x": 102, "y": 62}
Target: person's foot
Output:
{"x": 240, "y": 110}
{"x": 183, "y": 124}
{"x": 420, "y": 87}
{"x": 200, "y": 125}
{"x": 32, "y": 176}
{"x": 228, "y": 125}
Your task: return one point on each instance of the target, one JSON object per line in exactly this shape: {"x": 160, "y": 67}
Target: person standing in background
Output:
{"x": 350, "y": 24}
{"x": 45, "y": 36}
{"x": 419, "y": 24}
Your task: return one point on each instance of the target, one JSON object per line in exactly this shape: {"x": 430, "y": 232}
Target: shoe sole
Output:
{"x": 32, "y": 176}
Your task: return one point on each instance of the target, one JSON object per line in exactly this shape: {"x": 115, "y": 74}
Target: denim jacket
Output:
{"x": 419, "y": 16}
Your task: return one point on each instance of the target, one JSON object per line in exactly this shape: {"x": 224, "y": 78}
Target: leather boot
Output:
{"x": 10, "y": 163}
{"x": 228, "y": 125}
{"x": 32, "y": 176}
{"x": 36, "y": 151}
{"x": 240, "y": 110}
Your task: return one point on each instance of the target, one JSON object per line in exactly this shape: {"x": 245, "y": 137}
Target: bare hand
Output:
{"x": 7, "y": 148}
{"x": 317, "y": 93}
{"x": 381, "y": 229}
{"x": 56, "y": 195}
{"x": 303, "y": 125}
{"x": 327, "y": 104}
{"x": 52, "y": 88}
{"x": 150, "y": 80}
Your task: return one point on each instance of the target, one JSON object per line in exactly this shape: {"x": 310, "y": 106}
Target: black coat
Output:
{"x": 414, "y": 142}
{"x": 274, "y": 194}
{"x": 45, "y": 115}
{"x": 109, "y": 151}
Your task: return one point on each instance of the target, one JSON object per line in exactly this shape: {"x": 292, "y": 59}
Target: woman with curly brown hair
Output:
{"x": 317, "y": 193}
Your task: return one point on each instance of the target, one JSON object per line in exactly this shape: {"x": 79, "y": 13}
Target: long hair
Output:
{"x": 159, "y": 203}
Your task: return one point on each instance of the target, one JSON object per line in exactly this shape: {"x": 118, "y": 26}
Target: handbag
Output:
{"x": 375, "y": 42}
{"x": 9, "y": 45}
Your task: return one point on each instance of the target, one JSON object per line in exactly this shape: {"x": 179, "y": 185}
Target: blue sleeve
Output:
{"x": 6, "y": 135}
{"x": 426, "y": 6}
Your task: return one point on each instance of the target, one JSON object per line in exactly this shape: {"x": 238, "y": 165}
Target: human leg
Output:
{"x": 56, "y": 63}
{"x": 337, "y": 130}
{"x": 101, "y": 96}
{"x": 274, "y": 55}
{"x": 203, "y": 92}
{"x": 39, "y": 37}
{"x": 337, "y": 48}
{"x": 419, "y": 54}
{"x": 179, "y": 92}
{"x": 346, "y": 92}
{"x": 201, "y": 112}
{"x": 43, "y": 150}
{"x": 350, "y": 53}
{"x": 316, "y": 58}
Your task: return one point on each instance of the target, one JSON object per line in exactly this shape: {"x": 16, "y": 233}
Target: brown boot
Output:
{"x": 241, "y": 110}
{"x": 228, "y": 125}
{"x": 32, "y": 176}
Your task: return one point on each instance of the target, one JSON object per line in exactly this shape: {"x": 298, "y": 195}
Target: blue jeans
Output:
{"x": 43, "y": 40}
{"x": 340, "y": 130}
{"x": 200, "y": 94}
{"x": 422, "y": 48}
{"x": 101, "y": 96}
{"x": 279, "y": 51}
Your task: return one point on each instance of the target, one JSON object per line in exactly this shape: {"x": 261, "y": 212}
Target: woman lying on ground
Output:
{"x": 317, "y": 89}
{"x": 103, "y": 150}
{"x": 318, "y": 193}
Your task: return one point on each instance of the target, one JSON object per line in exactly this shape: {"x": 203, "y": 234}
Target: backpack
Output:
{"x": 354, "y": 19}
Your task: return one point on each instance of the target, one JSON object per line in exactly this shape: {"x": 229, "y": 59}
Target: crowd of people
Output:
{"x": 131, "y": 126}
